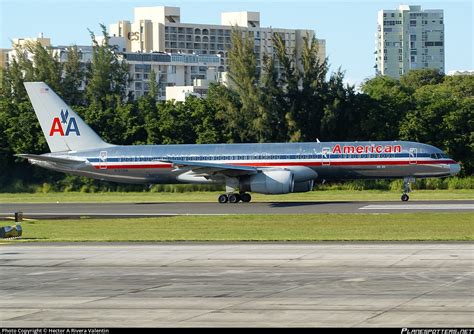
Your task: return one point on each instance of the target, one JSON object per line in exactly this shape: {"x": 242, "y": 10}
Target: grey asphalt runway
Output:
{"x": 71, "y": 210}
{"x": 237, "y": 284}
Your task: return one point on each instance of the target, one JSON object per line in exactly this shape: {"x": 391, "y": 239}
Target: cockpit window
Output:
{"x": 438, "y": 156}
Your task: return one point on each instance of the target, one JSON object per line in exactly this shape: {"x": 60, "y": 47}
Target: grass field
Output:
{"x": 324, "y": 195}
{"x": 320, "y": 227}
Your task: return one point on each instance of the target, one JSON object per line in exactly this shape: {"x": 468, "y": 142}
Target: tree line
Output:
{"x": 289, "y": 97}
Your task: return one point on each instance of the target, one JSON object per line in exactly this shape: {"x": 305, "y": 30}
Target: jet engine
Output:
{"x": 269, "y": 182}
{"x": 302, "y": 187}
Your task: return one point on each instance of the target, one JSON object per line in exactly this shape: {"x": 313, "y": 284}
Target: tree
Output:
{"x": 304, "y": 82}
{"x": 314, "y": 90}
{"x": 443, "y": 117}
{"x": 47, "y": 67}
{"x": 243, "y": 77}
{"x": 106, "y": 75}
{"x": 304, "y": 85}
{"x": 271, "y": 109}
{"x": 227, "y": 105}
{"x": 389, "y": 102}
{"x": 73, "y": 77}
{"x": 175, "y": 123}
{"x": 289, "y": 82}
{"x": 147, "y": 107}
{"x": 341, "y": 119}
{"x": 206, "y": 127}
{"x": 415, "y": 79}
{"x": 20, "y": 69}
{"x": 153, "y": 92}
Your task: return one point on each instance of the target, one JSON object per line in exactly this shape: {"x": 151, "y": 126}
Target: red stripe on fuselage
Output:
{"x": 134, "y": 166}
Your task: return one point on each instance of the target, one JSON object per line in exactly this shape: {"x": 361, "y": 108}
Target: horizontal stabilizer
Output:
{"x": 72, "y": 160}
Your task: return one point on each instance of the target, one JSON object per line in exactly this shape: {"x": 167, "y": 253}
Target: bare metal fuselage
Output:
{"x": 326, "y": 160}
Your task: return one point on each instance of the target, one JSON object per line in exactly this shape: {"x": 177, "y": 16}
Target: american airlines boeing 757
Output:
{"x": 277, "y": 168}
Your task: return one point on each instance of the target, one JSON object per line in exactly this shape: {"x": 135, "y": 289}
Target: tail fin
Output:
{"x": 63, "y": 128}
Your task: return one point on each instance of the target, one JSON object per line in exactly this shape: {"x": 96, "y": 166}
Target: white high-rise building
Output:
{"x": 409, "y": 38}
{"x": 159, "y": 29}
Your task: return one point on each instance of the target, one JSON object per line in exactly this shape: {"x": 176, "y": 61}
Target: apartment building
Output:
{"x": 159, "y": 29}
{"x": 409, "y": 38}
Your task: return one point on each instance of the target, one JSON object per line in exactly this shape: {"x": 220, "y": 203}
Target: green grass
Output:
{"x": 350, "y": 227}
{"x": 321, "y": 195}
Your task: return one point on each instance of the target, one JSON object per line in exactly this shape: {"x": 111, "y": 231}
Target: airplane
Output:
{"x": 267, "y": 168}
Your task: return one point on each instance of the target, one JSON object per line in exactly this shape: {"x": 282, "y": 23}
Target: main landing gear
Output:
{"x": 406, "y": 188}
{"x": 234, "y": 198}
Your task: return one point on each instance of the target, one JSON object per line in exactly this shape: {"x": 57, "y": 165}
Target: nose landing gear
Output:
{"x": 407, "y": 188}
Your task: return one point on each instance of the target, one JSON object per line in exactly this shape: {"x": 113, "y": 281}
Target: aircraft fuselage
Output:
{"x": 328, "y": 160}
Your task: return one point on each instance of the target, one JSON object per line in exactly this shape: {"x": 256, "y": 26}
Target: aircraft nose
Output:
{"x": 454, "y": 169}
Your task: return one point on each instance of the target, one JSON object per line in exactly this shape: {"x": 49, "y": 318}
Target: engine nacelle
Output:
{"x": 269, "y": 182}
{"x": 302, "y": 187}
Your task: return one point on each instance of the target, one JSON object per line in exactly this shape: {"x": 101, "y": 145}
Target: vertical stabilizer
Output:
{"x": 63, "y": 128}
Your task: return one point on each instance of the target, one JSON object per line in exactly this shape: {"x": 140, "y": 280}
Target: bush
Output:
{"x": 86, "y": 185}
{"x": 181, "y": 188}
{"x": 44, "y": 188}
{"x": 460, "y": 183}
{"x": 397, "y": 185}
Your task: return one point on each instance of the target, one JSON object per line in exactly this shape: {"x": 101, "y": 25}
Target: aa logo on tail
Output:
{"x": 59, "y": 125}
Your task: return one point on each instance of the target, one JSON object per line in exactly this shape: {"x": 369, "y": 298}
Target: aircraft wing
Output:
{"x": 46, "y": 158}
{"x": 208, "y": 168}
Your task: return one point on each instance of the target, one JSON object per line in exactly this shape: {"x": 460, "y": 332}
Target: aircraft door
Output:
{"x": 325, "y": 157}
{"x": 103, "y": 160}
{"x": 412, "y": 156}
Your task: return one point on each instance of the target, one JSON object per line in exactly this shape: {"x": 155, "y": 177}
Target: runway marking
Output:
{"x": 418, "y": 207}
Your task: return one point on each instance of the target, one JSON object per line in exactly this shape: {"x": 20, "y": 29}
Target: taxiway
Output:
{"x": 237, "y": 284}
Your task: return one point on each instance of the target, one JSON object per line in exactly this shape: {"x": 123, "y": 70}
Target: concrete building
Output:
{"x": 460, "y": 72}
{"x": 180, "y": 93}
{"x": 188, "y": 72}
{"x": 7, "y": 55}
{"x": 4, "y": 57}
{"x": 159, "y": 29}
{"x": 22, "y": 42}
{"x": 409, "y": 38}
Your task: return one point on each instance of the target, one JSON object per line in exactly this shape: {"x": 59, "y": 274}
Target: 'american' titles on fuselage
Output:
{"x": 373, "y": 148}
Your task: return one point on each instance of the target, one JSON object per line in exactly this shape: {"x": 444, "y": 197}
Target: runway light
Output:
{"x": 18, "y": 217}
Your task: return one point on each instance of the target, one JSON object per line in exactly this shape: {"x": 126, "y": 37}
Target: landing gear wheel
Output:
{"x": 223, "y": 198}
{"x": 234, "y": 198}
{"x": 406, "y": 187}
{"x": 245, "y": 197}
